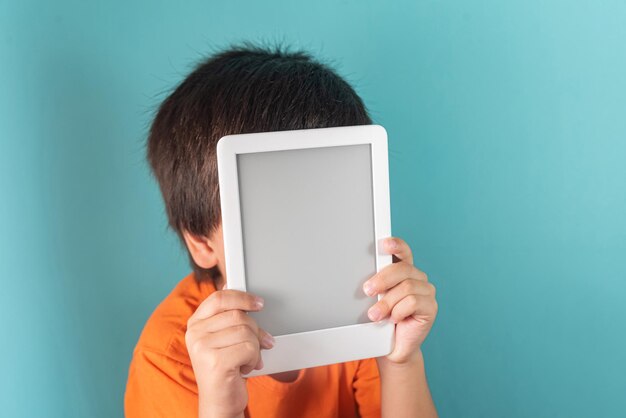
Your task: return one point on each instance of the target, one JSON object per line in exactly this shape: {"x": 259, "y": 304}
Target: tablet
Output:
{"x": 304, "y": 214}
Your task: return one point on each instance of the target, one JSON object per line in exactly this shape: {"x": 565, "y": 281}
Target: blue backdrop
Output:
{"x": 507, "y": 125}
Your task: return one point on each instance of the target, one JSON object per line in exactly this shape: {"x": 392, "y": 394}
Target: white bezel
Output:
{"x": 323, "y": 346}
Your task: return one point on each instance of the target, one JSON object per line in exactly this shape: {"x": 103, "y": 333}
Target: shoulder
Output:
{"x": 160, "y": 381}
{"x": 164, "y": 332}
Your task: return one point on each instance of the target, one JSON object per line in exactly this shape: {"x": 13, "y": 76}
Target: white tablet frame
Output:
{"x": 323, "y": 346}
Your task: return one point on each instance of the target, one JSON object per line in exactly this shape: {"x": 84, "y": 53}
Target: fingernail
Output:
{"x": 268, "y": 340}
{"x": 368, "y": 288}
{"x": 374, "y": 313}
{"x": 391, "y": 243}
{"x": 258, "y": 301}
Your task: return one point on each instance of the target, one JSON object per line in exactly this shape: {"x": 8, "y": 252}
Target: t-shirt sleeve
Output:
{"x": 366, "y": 386}
{"x": 159, "y": 386}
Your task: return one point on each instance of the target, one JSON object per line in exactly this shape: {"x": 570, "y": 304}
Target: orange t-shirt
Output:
{"x": 161, "y": 382}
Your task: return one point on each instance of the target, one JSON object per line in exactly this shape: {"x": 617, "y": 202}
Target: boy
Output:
{"x": 198, "y": 342}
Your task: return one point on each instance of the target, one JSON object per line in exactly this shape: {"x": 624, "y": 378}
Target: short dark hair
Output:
{"x": 241, "y": 89}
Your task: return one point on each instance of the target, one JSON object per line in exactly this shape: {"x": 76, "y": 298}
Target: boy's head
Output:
{"x": 242, "y": 89}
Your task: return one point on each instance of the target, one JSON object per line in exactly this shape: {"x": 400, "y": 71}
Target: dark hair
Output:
{"x": 242, "y": 89}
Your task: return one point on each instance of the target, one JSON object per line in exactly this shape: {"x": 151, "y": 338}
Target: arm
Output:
{"x": 409, "y": 301}
{"x": 404, "y": 390}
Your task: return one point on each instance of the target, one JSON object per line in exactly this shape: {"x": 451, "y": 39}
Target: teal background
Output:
{"x": 507, "y": 126}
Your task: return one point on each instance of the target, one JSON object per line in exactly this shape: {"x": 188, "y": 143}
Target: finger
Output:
{"x": 399, "y": 248}
{"x": 225, "y": 319}
{"x": 386, "y": 304}
{"x": 390, "y": 276}
{"x": 266, "y": 339}
{"x": 245, "y": 356}
{"x": 229, "y": 319}
{"x": 224, "y": 300}
{"x": 259, "y": 364}
{"x": 419, "y": 307}
{"x": 230, "y": 336}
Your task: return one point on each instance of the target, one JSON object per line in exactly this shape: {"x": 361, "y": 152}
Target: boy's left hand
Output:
{"x": 409, "y": 300}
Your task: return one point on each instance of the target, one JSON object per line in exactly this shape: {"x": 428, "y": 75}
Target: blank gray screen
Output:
{"x": 308, "y": 235}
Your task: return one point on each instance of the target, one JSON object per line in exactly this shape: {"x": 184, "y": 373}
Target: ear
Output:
{"x": 203, "y": 250}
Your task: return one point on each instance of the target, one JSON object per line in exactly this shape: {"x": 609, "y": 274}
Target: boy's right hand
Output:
{"x": 223, "y": 343}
